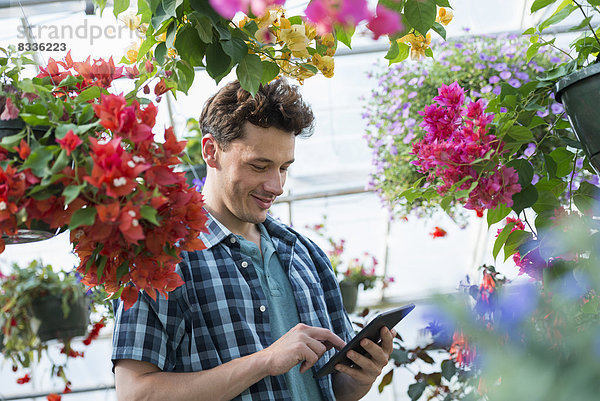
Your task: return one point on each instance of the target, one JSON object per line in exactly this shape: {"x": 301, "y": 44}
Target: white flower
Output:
{"x": 3, "y": 205}
{"x": 135, "y": 222}
{"x": 119, "y": 182}
{"x": 131, "y": 164}
{"x": 131, "y": 213}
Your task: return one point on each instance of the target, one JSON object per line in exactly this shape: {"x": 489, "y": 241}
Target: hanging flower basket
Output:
{"x": 349, "y": 290}
{"x": 97, "y": 171}
{"x": 50, "y": 323}
{"x": 579, "y": 93}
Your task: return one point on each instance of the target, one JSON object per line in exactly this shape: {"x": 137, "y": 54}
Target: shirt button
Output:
{"x": 244, "y": 264}
{"x": 262, "y": 308}
{"x": 232, "y": 240}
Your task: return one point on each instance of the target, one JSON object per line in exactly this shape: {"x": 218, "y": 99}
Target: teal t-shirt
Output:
{"x": 283, "y": 314}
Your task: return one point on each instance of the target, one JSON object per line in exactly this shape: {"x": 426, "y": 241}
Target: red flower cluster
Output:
{"x": 461, "y": 351}
{"x": 456, "y": 139}
{"x": 93, "y": 334}
{"x": 139, "y": 213}
{"x": 24, "y": 379}
{"x": 53, "y": 397}
{"x": 438, "y": 232}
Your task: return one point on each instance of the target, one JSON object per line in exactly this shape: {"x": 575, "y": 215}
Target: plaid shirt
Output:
{"x": 220, "y": 313}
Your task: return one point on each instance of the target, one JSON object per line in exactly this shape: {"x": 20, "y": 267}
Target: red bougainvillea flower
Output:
{"x": 10, "y": 110}
{"x": 327, "y": 13}
{"x": 461, "y": 351}
{"x": 487, "y": 286}
{"x": 438, "y": 232}
{"x": 23, "y": 149}
{"x": 53, "y": 397}
{"x": 24, "y": 379}
{"x": 69, "y": 142}
{"x": 100, "y": 72}
{"x": 129, "y": 296}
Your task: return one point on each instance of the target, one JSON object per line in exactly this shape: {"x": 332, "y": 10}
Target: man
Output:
{"x": 260, "y": 310}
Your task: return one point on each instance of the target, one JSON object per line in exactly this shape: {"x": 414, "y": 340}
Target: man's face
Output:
{"x": 252, "y": 171}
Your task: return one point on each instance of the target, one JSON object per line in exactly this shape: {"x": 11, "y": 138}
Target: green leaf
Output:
{"x": 546, "y": 201}
{"x": 415, "y": 390}
{"x": 217, "y": 61}
{"x": 122, "y": 270}
{"x": 120, "y": 6}
{"x": 532, "y": 51}
{"x": 100, "y": 267}
{"x": 556, "y": 186}
{"x": 386, "y": 380}
{"x": 586, "y": 197}
{"x": 149, "y": 213}
{"x": 270, "y": 72}
{"x": 61, "y": 162}
{"x": 539, "y": 4}
{"x": 185, "y": 76}
{"x": 170, "y": 6}
{"x": 557, "y": 17}
{"x": 443, "y": 3}
{"x": 564, "y": 161}
{"x": 38, "y": 161}
{"x": 527, "y": 197}
{"x": 146, "y": 46}
{"x": 344, "y": 34}
{"x": 520, "y": 134}
{"x": 90, "y": 93}
{"x": 235, "y": 48}
{"x": 524, "y": 169}
{"x": 448, "y": 369}
{"x": 402, "y": 52}
{"x": 498, "y": 214}
{"x": 420, "y": 14}
{"x": 189, "y": 46}
{"x": 203, "y": 26}
{"x": 249, "y": 72}
{"x": 71, "y": 192}
{"x": 83, "y": 217}
{"x": 439, "y": 28}
{"x": 514, "y": 240}
{"x": 501, "y": 239}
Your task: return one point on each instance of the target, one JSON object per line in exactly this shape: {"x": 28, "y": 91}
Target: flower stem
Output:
{"x": 589, "y": 25}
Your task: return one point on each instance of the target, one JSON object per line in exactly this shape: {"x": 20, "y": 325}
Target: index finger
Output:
{"x": 326, "y": 336}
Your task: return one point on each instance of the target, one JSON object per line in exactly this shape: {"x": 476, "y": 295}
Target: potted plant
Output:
{"x": 40, "y": 304}
{"x": 481, "y": 65}
{"x": 98, "y": 171}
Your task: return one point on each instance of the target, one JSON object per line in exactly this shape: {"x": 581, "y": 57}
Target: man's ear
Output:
{"x": 210, "y": 148}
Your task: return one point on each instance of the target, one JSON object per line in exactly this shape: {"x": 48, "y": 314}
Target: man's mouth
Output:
{"x": 263, "y": 203}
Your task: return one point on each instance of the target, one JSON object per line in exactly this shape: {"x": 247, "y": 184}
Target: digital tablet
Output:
{"x": 371, "y": 331}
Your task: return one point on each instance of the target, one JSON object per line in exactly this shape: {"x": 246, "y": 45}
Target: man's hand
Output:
{"x": 366, "y": 367}
{"x": 302, "y": 343}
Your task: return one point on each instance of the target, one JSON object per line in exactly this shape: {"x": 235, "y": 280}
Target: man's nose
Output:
{"x": 274, "y": 184}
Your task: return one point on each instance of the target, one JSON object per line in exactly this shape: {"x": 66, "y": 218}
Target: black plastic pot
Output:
{"x": 349, "y": 290}
{"x": 579, "y": 92}
{"x": 13, "y": 127}
{"x": 53, "y": 324}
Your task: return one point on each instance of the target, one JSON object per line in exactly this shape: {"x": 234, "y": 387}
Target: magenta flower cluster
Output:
{"x": 457, "y": 139}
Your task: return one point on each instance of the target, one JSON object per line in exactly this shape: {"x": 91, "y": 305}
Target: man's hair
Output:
{"x": 276, "y": 104}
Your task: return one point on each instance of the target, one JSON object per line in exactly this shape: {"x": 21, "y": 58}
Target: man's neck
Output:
{"x": 249, "y": 231}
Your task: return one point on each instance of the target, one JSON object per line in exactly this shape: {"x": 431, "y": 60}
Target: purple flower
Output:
{"x": 500, "y": 67}
{"x": 455, "y": 68}
{"x": 479, "y": 66}
{"x": 579, "y": 163}
{"x": 199, "y": 183}
{"x": 409, "y": 137}
{"x": 557, "y": 108}
{"x": 497, "y": 90}
{"x": 503, "y": 109}
{"x": 505, "y": 75}
{"x": 515, "y": 83}
{"x": 530, "y": 149}
{"x": 535, "y": 179}
{"x": 543, "y": 113}
{"x": 458, "y": 45}
{"x": 486, "y": 89}
{"x": 412, "y": 95}
{"x": 413, "y": 81}
{"x": 594, "y": 180}
{"x": 394, "y": 150}
{"x": 494, "y": 79}
{"x": 555, "y": 60}
{"x": 522, "y": 75}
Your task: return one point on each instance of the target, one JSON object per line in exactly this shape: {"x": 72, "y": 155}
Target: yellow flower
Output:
{"x": 283, "y": 62}
{"x": 296, "y": 40}
{"x": 310, "y": 30}
{"x": 324, "y": 63}
{"x": 131, "y": 20}
{"x": 328, "y": 40}
{"x": 284, "y": 23}
{"x": 162, "y": 37}
{"x": 264, "y": 35}
{"x": 244, "y": 21}
{"x": 268, "y": 18}
{"x": 171, "y": 53}
{"x": 330, "y": 51}
{"x": 131, "y": 52}
{"x": 418, "y": 44}
{"x": 301, "y": 74}
{"x": 444, "y": 16}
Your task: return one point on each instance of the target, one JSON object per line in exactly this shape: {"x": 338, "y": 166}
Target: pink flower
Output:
{"x": 326, "y": 13}
{"x": 10, "y": 111}
{"x": 385, "y": 22}
{"x": 228, "y": 8}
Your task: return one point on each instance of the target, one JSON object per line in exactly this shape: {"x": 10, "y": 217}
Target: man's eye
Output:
{"x": 258, "y": 168}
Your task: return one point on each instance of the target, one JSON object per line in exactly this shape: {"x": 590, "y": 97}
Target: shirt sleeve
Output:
{"x": 148, "y": 330}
